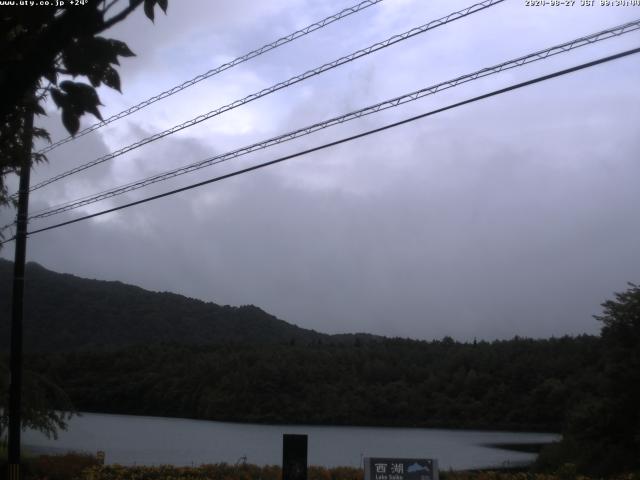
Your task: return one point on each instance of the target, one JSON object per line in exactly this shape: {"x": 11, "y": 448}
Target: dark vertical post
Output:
{"x": 15, "y": 388}
{"x": 294, "y": 457}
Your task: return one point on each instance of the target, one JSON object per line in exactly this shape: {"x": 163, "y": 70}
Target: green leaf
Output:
{"x": 111, "y": 78}
{"x": 91, "y": 55}
{"x": 39, "y": 157}
{"x": 58, "y": 98}
{"x": 104, "y": 50}
{"x": 70, "y": 120}
{"x": 38, "y": 110}
{"x": 148, "y": 8}
{"x": 82, "y": 98}
{"x": 96, "y": 113}
{"x": 68, "y": 86}
{"x": 77, "y": 58}
{"x": 121, "y": 48}
{"x": 41, "y": 133}
{"x": 80, "y": 94}
{"x": 95, "y": 78}
{"x": 33, "y": 104}
{"x": 163, "y": 4}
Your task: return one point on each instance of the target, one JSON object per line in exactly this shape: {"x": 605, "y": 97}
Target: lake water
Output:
{"x": 134, "y": 440}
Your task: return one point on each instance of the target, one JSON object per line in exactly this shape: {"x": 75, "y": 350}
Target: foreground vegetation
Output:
{"x": 250, "y": 472}
{"x": 76, "y": 466}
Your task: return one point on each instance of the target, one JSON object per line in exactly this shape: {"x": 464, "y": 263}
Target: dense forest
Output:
{"x": 516, "y": 384}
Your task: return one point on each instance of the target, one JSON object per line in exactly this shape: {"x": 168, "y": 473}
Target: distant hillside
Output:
{"x": 64, "y": 312}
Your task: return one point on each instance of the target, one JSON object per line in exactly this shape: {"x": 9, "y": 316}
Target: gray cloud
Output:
{"x": 510, "y": 216}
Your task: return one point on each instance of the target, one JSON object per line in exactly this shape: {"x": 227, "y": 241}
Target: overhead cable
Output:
{"x": 391, "y": 103}
{"x": 279, "y": 86}
{"x": 219, "y": 69}
{"x": 344, "y": 140}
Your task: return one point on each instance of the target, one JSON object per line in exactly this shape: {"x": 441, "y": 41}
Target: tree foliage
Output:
{"x": 602, "y": 430}
{"x": 39, "y": 395}
{"x": 42, "y": 52}
{"x": 515, "y": 384}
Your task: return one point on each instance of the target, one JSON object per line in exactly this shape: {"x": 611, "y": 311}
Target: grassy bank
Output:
{"x": 252, "y": 472}
{"x": 78, "y": 466}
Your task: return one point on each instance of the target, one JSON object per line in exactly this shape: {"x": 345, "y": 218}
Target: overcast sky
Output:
{"x": 517, "y": 215}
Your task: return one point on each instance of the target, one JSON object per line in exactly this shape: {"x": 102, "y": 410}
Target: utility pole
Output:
{"x": 15, "y": 388}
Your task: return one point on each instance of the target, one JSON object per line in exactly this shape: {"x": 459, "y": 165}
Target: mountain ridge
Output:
{"x": 65, "y": 312}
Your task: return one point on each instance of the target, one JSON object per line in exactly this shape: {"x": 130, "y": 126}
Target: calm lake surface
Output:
{"x": 133, "y": 440}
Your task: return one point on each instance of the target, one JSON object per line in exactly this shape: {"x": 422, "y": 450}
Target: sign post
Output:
{"x": 294, "y": 457}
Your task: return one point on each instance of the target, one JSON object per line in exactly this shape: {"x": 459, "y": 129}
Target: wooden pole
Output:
{"x": 15, "y": 388}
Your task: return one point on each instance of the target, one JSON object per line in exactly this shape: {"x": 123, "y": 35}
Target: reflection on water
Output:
{"x": 133, "y": 440}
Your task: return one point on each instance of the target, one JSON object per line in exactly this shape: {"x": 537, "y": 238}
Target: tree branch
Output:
{"x": 120, "y": 16}
{"x": 106, "y": 8}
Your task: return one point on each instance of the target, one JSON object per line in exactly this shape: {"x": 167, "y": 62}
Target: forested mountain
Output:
{"x": 122, "y": 349}
{"x": 116, "y": 348}
{"x": 64, "y": 312}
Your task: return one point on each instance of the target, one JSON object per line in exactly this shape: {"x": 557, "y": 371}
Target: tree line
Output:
{"x": 516, "y": 384}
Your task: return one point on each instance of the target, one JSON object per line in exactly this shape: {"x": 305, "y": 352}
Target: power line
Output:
{"x": 219, "y": 69}
{"x": 279, "y": 86}
{"x": 391, "y": 103}
{"x": 347, "y": 139}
